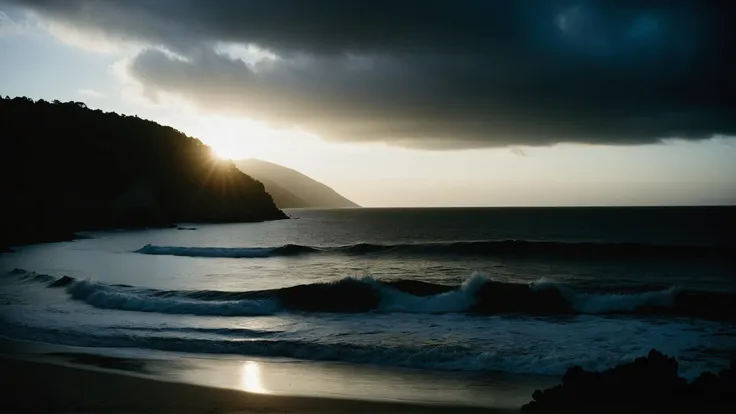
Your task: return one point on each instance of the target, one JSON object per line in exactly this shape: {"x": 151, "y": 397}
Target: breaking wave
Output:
{"x": 105, "y": 296}
{"x": 478, "y": 295}
{"x": 436, "y": 357}
{"x": 463, "y": 248}
{"x": 226, "y": 252}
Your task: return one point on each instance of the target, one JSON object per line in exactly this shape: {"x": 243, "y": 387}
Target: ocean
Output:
{"x": 452, "y": 294}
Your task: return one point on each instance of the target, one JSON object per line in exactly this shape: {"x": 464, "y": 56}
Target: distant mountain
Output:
{"x": 67, "y": 168}
{"x": 292, "y": 189}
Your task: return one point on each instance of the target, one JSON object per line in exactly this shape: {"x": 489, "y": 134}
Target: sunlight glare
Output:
{"x": 236, "y": 138}
{"x": 250, "y": 379}
{"x": 224, "y": 152}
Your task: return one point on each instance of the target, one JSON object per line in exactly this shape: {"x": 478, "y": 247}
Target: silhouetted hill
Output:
{"x": 67, "y": 168}
{"x": 281, "y": 196}
{"x": 292, "y": 189}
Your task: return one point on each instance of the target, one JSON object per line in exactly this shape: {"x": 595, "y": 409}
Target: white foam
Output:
{"x": 457, "y": 300}
{"x": 451, "y": 341}
{"x": 111, "y": 297}
{"x": 593, "y": 303}
{"x": 596, "y": 303}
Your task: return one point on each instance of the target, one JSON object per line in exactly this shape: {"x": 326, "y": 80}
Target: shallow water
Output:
{"x": 219, "y": 290}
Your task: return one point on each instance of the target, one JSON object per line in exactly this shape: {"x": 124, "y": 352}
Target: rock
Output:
{"x": 649, "y": 383}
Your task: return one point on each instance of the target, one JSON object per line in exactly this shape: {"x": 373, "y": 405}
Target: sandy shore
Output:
{"x": 29, "y": 385}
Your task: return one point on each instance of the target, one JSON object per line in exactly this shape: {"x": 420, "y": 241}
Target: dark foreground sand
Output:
{"x": 28, "y": 385}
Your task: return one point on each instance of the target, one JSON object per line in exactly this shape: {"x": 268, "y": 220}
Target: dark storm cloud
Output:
{"x": 440, "y": 74}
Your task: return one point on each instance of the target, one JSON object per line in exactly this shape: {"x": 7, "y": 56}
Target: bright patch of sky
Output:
{"x": 48, "y": 61}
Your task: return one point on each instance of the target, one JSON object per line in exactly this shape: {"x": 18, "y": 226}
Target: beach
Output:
{"x": 46, "y": 377}
{"x": 375, "y": 310}
{"x": 48, "y": 386}
{"x": 313, "y": 206}
{"x": 35, "y": 380}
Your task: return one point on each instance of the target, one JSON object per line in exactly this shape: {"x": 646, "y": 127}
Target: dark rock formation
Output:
{"x": 649, "y": 384}
{"x": 68, "y": 168}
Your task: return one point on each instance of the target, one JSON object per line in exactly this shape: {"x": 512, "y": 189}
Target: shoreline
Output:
{"x": 277, "y": 378}
{"x": 40, "y": 376}
{"x": 45, "y": 385}
{"x": 66, "y": 235}
{"x": 30, "y": 385}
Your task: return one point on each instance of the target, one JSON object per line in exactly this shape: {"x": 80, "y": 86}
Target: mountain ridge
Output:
{"x": 292, "y": 189}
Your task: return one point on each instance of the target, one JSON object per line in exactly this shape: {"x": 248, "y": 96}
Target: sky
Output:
{"x": 413, "y": 103}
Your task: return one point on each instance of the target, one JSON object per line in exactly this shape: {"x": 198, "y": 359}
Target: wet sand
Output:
{"x": 277, "y": 378}
{"x": 32, "y": 385}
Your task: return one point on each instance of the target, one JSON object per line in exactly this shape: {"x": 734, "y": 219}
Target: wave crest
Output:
{"x": 461, "y": 299}
{"x": 478, "y": 294}
{"x": 598, "y": 303}
{"x": 465, "y": 248}
{"x": 105, "y": 296}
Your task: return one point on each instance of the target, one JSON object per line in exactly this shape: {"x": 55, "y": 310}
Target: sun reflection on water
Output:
{"x": 250, "y": 379}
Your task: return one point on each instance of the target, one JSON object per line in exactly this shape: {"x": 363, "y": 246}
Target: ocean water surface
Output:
{"x": 517, "y": 291}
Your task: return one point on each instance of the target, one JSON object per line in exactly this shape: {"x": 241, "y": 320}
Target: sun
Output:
{"x": 233, "y": 138}
{"x": 228, "y": 144}
{"x": 224, "y": 152}
{"x": 236, "y": 138}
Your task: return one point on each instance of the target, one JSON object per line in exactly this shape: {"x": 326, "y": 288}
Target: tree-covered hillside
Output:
{"x": 67, "y": 168}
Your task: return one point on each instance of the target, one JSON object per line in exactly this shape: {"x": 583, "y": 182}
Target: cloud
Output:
{"x": 433, "y": 74}
{"x": 93, "y": 40}
{"x": 518, "y": 151}
{"x": 91, "y": 93}
{"x": 8, "y": 27}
